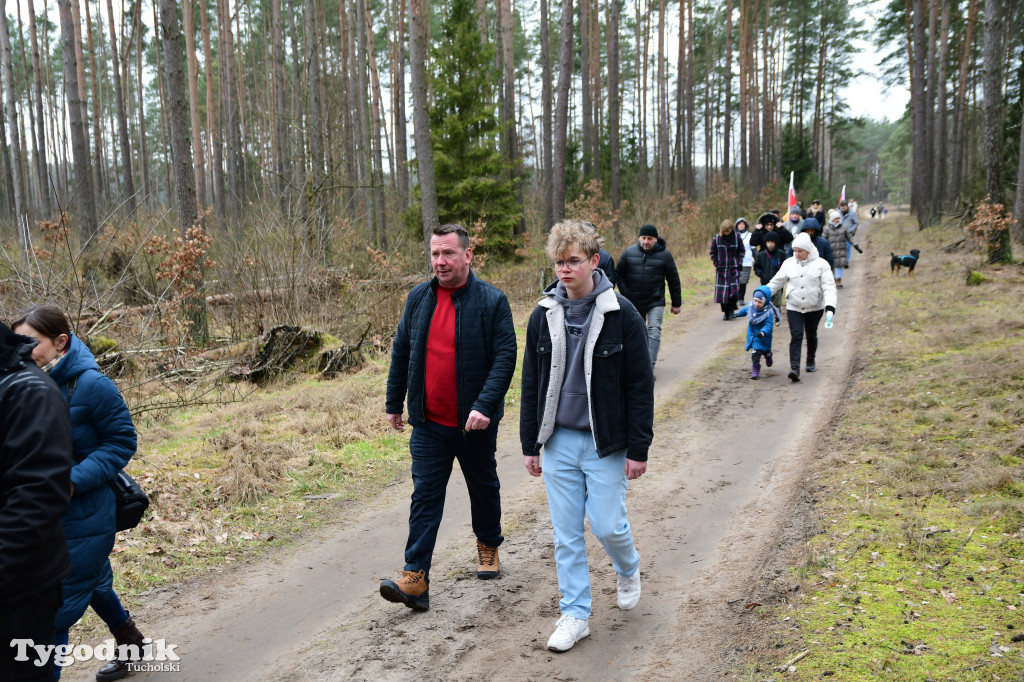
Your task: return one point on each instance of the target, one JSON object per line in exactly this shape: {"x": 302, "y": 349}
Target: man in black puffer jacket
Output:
{"x": 35, "y": 488}
{"x": 452, "y": 361}
{"x": 641, "y": 274}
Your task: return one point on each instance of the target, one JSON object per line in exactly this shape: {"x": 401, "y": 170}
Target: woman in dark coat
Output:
{"x": 104, "y": 440}
{"x": 727, "y": 255}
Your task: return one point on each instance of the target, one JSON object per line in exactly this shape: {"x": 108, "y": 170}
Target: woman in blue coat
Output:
{"x": 104, "y": 440}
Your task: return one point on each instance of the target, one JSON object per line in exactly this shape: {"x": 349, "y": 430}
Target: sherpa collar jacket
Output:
{"x": 620, "y": 381}
{"x": 35, "y": 474}
{"x": 485, "y": 351}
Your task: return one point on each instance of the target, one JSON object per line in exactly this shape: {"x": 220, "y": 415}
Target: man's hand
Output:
{"x": 532, "y": 464}
{"x": 634, "y": 469}
{"x": 396, "y": 422}
{"x": 675, "y": 309}
{"x": 476, "y": 421}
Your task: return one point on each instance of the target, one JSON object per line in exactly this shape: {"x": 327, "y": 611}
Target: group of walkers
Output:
{"x": 66, "y": 434}
{"x": 792, "y": 260}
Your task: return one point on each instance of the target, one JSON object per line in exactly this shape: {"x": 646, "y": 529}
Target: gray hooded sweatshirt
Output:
{"x": 573, "y": 405}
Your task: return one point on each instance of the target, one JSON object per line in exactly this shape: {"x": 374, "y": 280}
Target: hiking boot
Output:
{"x": 839, "y": 282}
{"x": 123, "y": 635}
{"x": 811, "y": 367}
{"x": 568, "y": 631}
{"x": 768, "y": 359}
{"x": 794, "y": 374}
{"x": 412, "y": 589}
{"x": 488, "y": 566}
{"x": 628, "y": 590}
{"x": 725, "y": 316}
{"x": 755, "y": 371}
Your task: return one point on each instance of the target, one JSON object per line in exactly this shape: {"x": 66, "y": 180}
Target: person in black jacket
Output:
{"x": 35, "y": 489}
{"x": 452, "y": 361}
{"x": 813, "y": 229}
{"x": 642, "y": 272}
{"x": 588, "y": 401}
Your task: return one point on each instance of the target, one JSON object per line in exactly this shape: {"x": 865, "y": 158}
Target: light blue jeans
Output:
{"x": 654, "y": 318}
{"x": 578, "y": 484}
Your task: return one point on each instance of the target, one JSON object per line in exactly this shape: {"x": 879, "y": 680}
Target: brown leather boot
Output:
{"x": 488, "y": 567}
{"x": 412, "y": 589}
{"x": 117, "y": 669}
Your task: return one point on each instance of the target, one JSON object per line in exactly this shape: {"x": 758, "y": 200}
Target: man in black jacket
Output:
{"x": 35, "y": 488}
{"x": 452, "y": 361}
{"x": 641, "y": 275}
{"x": 588, "y": 401}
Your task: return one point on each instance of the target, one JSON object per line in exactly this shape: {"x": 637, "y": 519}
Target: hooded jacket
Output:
{"x": 35, "y": 473}
{"x": 754, "y": 339}
{"x": 485, "y": 351}
{"x": 641, "y": 276}
{"x": 808, "y": 283}
{"x": 616, "y": 355}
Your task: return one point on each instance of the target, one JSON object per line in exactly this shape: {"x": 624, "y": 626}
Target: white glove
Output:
{"x": 828, "y": 319}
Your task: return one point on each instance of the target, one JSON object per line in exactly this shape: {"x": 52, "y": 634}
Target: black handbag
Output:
{"x": 132, "y": 502}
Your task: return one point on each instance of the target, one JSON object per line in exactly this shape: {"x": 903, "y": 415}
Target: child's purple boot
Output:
{"x": 755, "y": 370}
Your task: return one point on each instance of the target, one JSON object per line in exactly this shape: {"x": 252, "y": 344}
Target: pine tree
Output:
{"x": 471, "y": 174}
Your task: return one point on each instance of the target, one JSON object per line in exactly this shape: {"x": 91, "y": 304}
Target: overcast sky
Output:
{"x": 867, "y": 95}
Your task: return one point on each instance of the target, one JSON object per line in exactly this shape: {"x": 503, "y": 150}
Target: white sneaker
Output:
{"x": 568, "y": 631}
{"x": 629, "y": 590}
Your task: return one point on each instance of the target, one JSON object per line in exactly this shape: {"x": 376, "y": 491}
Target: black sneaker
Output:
{"x": 811, "y": 367}
{"x": 794, "y": 374}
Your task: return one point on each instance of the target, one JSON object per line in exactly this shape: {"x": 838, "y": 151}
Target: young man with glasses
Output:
{"x": 588, "y": 401}
{"x": 452, "y": 361}
{"x": 641, "y": 274}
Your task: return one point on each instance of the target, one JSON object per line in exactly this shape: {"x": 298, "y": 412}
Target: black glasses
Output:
{"x": 573, "y": 263}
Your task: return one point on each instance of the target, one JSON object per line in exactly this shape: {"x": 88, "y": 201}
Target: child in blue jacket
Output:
{"x": 762, "y": 315}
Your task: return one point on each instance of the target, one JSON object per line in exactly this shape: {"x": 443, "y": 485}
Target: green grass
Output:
{"x": 918, "y": 572}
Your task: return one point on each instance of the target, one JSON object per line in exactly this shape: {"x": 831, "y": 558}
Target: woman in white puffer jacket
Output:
{"x": 810, "y": 292}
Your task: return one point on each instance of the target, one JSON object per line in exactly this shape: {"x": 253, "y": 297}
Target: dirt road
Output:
{"x": 722, "y": 494}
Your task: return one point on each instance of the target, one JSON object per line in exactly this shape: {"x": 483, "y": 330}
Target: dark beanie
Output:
{"x": 648, "y": 230}
{"x": 771, "y": 237}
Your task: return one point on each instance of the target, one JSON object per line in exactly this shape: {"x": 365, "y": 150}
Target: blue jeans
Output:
{"x": 581, "y": 484}
{"x": 654, "y": 317}
{"x": 434, "y": 448}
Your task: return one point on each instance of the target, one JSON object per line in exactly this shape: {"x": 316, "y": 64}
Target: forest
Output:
{"x": 165, "y": 156}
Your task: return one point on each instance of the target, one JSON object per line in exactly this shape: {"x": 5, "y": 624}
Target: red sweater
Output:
{"x": 441, "y": 402}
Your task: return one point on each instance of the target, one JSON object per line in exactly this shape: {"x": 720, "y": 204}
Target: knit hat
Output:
{"x": 833, "y": 215}
{"x": 648, "y": 230}
{"x": 771, "y": 237}
{"x": 811, "y": 224}
{"x": 803, "y": 241}
{"x": 796, "y": 209}
{"x": 760, "y": 294}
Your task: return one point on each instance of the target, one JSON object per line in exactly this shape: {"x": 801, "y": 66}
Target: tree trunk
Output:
{"x": 508, "y": 105}
{"x": 940, "y": 146}
{"x": 548, "y": 115}
{"x": 188, "y": 15}
{"x": 401, "y": 164}
{"x": 172, "y": 43}
{"x": 11, "y": 113}
{"x": 99, "y": 175}
{"x": 587, "y": 123}
{"x": 234, "y": 192}
{"x": 376, "y": 116}
{"x": 1018, "y": 205}
{"x": 37, "y": 81}
{"x": 144, "y": 185}
{"x": 122, "y": 117}
{"x": 212, "y": 124}
{"x": 960, "y": 104}
{"x": 421, "y": 119}
{"x": 565, "y": 64}
{"x": 613, "y": 101}
{"x": 279, "y": 141}
{"x": 664, "y": 172}
{"x": 918, "y": 50}
{"x": 83, "y": 193}
{"x": 727, "y": 120}
{"x": 313, "y": 190}
{"x": 992, "y": 83}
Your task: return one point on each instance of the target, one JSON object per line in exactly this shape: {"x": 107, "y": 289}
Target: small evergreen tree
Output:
{"x": 470, "y": 173}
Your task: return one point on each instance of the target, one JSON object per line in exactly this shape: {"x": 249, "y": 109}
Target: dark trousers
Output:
{"x": 434, "y": 448}
{"x": 801, "y": 324}
{"x": 33, "y": 618}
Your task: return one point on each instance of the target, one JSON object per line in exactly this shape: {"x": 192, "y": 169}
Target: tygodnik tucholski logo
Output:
{"x": 155, "y": 656}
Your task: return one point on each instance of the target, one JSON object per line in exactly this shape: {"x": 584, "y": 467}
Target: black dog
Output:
{"x": 908, "y": 262}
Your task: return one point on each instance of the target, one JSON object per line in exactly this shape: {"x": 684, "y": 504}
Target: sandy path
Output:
{"x": 722, "y": 489}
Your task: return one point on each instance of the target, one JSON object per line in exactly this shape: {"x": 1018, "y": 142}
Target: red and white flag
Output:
{"x": 792, "y": 197}
{"x": 842, "y": 195}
